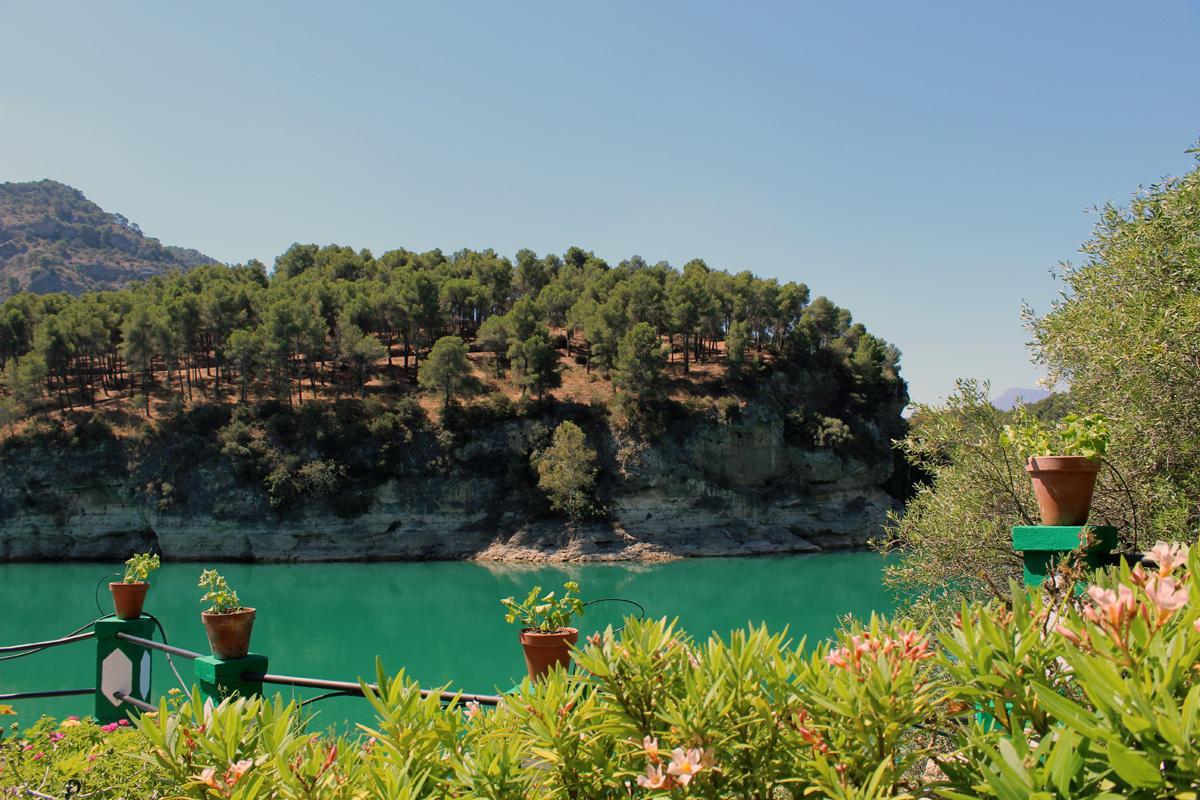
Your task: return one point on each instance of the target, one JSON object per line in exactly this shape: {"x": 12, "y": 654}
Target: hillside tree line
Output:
{"x": 332, "y": 320}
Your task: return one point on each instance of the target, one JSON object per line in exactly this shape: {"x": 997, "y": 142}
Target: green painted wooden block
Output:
{"x": 121, "y": 667}
{"x": 219, "y": 678}
{"x": 985, "y": 716}
{"x": 1041, "y": 546}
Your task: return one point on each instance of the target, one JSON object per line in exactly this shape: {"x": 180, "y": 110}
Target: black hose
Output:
{"x": 634, "y": 603}
{"x": 38, "y": 647}
{"x": 327, "y": 695}
{"x": 96, "y": 593}
{"x": 182, "y": 685}
{"x": 50, "y": 693}
{"x": 45, "y": 645}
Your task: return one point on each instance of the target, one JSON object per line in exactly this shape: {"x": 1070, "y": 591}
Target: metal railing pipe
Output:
{"x": 79, "y": 637}
{"x": 354, "y": 688}
{"x": 133, "y": 701}
{"x": 153, "y": 645}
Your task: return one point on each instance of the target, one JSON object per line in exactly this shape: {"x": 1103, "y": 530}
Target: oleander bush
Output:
{"x": 1087, "y": 688}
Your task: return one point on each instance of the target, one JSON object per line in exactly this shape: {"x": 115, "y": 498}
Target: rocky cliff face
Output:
{"x": 713, "y": 489}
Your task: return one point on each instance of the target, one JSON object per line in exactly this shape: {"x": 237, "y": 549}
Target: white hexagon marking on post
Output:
{"x": 145, "y": 677}
{"x": 116, "y": 675}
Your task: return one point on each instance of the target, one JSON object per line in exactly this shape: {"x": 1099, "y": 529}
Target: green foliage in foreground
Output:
{"x": 1087, "y": 695}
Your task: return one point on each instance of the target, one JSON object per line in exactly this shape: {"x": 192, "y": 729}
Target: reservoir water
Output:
{"x": 441, "y": 621}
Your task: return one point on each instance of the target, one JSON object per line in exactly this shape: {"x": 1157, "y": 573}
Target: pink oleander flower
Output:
{"x": 1068, "y": 634}
{"x": 654, "y": 778}
{"x": 908, "y": 646}
{"x": 915, "y": 646}
{"x": 56, "y": 736}
{"x": 1112, "y": 608}
{"x": 1168, "y": 556}
{"x": 837, "y": 657}
{"x": 1166, "y": 594}
{"x": 109, "y": 728}
{"x": 124, "y": 723}
{"x": 236, "y": 771}
{"x": 208, "y": 776}
{"x": 685, "y": 764}
{"x": 650, "y": 745}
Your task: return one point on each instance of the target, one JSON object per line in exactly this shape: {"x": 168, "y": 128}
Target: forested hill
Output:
{"x": 702, "y": 404}
{"x": 53, "y": 239}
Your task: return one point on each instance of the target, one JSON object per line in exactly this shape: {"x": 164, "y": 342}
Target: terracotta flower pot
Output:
{"x": 229, "y": 634}
{"x": 1063, "y": 486}
{"x": 545, "y": 650}
{"x": 128, "y": 598}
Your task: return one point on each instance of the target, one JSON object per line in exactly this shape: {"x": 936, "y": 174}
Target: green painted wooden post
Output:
{"x": 121, "y": 666}
{"x": 218, "y": 678}
{"x": 1041, "y": 546}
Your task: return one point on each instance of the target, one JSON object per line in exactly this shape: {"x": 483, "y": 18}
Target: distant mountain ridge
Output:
{"x": 53, "y": 239}
{"x": 1014, "y": 397}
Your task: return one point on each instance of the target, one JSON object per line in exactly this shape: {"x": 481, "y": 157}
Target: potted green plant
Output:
{"x": 546, "y": 632}
{"x": 129, "y": 593}
{"x": 226, "y": 622}
{"x": 1062, "y": 461}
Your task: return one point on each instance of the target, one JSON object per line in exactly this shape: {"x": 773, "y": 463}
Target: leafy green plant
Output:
{"x": 222, "y": 599}
{"x": 1096, "y": 695}
{"x": 139, "y": 567}
{"x": 1074, "y": 435}
{"x": 75, "y": 757}
{"x": 547, "y": 612}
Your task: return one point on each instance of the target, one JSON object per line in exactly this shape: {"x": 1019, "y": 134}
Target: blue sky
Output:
{"x": 924, "y": 164}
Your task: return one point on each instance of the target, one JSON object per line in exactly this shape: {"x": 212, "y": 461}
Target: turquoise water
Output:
{"x": 441, "y": 621}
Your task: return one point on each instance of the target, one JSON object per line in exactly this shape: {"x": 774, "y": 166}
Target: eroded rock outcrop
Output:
{"x": 708, "y": 489}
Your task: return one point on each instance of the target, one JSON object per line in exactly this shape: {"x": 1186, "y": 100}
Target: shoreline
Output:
{"x": 495, "y": 554}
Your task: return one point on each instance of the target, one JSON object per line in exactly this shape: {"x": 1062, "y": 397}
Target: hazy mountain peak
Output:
{"x": 1015, "y": 396}
{"x": 54, "y": 239}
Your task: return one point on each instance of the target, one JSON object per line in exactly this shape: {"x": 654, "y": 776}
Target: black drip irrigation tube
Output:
{"x": 36, "y": 647}
{"x": 50, "y": 693}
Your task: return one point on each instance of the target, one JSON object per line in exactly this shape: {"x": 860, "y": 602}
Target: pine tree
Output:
{"x": 446, "y": 370}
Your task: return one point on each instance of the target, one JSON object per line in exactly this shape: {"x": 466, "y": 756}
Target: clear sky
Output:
{"x": 923, "y": 164}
